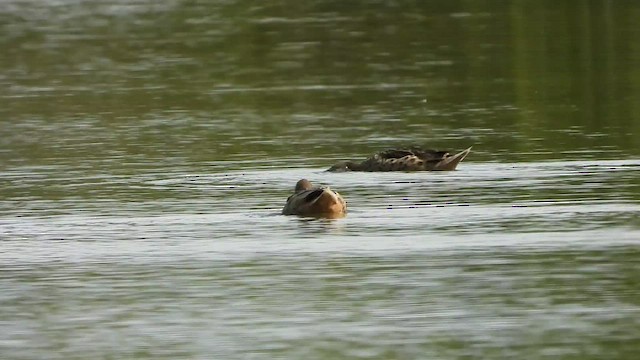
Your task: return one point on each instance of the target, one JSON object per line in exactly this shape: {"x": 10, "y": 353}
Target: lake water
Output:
{"x": 147, "y": 148}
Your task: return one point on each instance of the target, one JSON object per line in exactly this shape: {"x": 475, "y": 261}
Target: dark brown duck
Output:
{"x": 412, "y": 159}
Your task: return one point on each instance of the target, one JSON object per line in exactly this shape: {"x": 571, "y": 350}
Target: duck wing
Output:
{"x": 404, "y": 160}
{"x": 394, "y": 154}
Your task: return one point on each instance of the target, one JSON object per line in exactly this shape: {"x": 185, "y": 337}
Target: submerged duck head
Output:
{"x": 308, "y": 200}
{"x": 343, "y": 166}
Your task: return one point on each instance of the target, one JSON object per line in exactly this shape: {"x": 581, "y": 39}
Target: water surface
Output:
{"x": 147, "y": 148}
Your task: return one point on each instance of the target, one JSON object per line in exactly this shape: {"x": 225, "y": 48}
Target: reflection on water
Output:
{"x": 147, "y": 149}
{"x": 207, "y": 81}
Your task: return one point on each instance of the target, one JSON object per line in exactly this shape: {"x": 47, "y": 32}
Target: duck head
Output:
{"x": 303, "y": 184}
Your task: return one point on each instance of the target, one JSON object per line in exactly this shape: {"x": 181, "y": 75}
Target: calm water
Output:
{"x": 147, "y": 148}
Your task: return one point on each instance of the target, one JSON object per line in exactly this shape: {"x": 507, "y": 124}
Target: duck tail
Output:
{"x": 451, "y": 162}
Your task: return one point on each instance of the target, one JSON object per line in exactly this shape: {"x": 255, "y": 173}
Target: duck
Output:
{"x": 313, "y": 201}
{"x": 412, "y": 159}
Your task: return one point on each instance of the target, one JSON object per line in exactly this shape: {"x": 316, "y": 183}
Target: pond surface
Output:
{"x": 147, "y": 149}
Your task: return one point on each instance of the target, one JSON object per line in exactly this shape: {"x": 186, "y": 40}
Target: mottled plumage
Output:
{"x": 405, "y": 160}
{"x": 308, "y": 200}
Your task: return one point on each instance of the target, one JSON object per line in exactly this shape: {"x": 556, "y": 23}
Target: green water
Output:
{"x": 147, "y": 148}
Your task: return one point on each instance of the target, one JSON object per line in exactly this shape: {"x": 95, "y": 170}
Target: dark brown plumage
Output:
{"x": 412, "y": 159}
